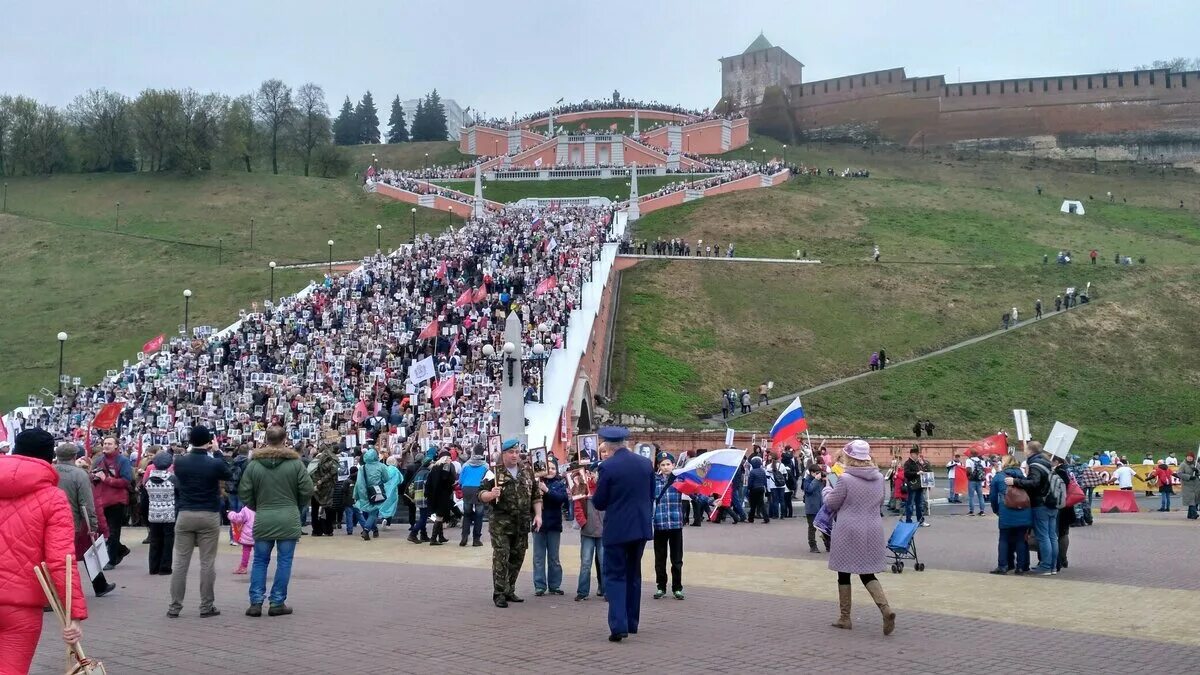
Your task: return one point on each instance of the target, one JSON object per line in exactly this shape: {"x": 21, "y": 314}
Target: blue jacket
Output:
{"x": 552, "y": 503}
{"x": 200, "y": 476}
{"x": 757, "y": 477}
{"x": 812, "y": 486}
{"x": 1008, "y": 517}
{"x": 625, "y": 493}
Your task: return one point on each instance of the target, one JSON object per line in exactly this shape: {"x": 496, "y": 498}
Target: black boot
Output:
{"x": 437, "y": 538}
{"x": 422, "y": 536}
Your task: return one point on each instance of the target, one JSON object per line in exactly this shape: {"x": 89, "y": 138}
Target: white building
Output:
{"x": 454, "y": 115}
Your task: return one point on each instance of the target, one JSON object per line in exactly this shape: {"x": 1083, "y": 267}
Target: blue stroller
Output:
{"x": 903, "y": 546}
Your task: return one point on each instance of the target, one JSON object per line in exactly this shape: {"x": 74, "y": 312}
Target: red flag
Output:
{"x": 996, "y": 444}
{"x": 3, "y": 429}
{"x": 444, "y": 388}
{"x": 430, "y": 331}
{"x": 107, "y": 417}
{"x": 480, "y": 293}
{"x": 465, "y": 299}
{"x": 441, "y": 271}
{"x": 154, "y": 344}
{"x": 613, "y": 126}
{"x": 546, "y": 285}
{"x": 960, "y": 480}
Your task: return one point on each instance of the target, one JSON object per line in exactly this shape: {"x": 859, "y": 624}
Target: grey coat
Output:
{"x": 76, "y": 483}
{"x": 856, "y": 500}
{"x": 1189, "y": 478}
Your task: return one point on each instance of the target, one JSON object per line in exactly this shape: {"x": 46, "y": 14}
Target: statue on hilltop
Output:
{"x": 616, "y": 96}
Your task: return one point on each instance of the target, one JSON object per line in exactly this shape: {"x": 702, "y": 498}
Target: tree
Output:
{"x": 198, "y": 136}
{"x": 6, "y": 103}
{"x": 37, "y": 137}
{"x": 437, "y": 117}
{"x": 420, "y": 123}
{"x": 397, "y": 133}
{"x": 240, "y": 136}
{"x": 102, "y": 122}
{"x": 330, "y": 161}
{"x": 368, "y": 119}
{"x": 345, "y": 127}
{"x": 273, "y": 104}
{"x": 312, "y": 122}
{"x": 156, "y": 118}
{"x": 1179, "y": 64}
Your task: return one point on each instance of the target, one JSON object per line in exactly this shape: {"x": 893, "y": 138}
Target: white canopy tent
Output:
{"x": 1072, "y": 206}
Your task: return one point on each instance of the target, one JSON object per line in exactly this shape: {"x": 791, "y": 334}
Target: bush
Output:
{"x": 330, "y": 161}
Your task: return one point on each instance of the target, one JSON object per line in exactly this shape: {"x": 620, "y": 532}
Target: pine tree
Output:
{"x": 368, "y": 120}
{"x": 397, "y": 133}
{"x": 437, "y": 117}
{"x": 420, "y": 123}
{"x": 345, "y": 127}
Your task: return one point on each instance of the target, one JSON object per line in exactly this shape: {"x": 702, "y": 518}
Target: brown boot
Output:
{"x": 843, "y": 607}
{"x": 889, "y": 617}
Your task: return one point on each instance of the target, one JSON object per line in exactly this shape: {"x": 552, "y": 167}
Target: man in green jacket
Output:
{"x": 275, "y": 485}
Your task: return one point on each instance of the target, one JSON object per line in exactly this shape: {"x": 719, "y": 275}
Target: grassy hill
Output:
{"x": 63, "y": 268}
{"x": 961, "y": 244}
{"x": 406, "y": 155}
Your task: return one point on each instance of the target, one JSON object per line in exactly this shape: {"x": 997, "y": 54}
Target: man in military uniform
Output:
{"x": 509, "y": 490}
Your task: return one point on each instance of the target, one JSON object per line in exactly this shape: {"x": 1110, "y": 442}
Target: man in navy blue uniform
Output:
{"x": 625, "y": 492}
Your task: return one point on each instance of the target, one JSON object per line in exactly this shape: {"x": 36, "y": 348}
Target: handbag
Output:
{"x": 375, "y": 493}
{"x": 1074, "y": 495}
{"x": 1016, "y": 498}
{"x": 1031, "y": 540}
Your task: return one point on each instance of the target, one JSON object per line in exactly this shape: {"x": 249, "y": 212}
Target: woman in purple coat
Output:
{"x": 858, "y": 544}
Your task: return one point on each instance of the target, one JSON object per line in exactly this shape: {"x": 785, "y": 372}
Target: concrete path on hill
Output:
{"x": 716, "y": 420}
{"x": 792, "y": 261}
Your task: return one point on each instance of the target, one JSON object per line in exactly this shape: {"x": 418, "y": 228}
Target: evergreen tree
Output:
{"x": 437, "y": 117}
{"x": 345, "y": 127}
{"x": 368, "y": 120}
{"x": 420, "y": 123}
{"x": 397, "y": 133}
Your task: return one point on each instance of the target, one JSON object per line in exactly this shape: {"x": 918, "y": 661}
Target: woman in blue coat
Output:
{"x": 392, "y": 487}
{"x": 1013, "y": 550}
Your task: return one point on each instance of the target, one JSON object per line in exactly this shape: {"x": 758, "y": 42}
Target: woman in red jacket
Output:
{"x": 1163, "y": 476}
{"x": 36, "y": 526}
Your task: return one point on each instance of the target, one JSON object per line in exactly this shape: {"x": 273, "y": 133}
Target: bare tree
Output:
{"x": 273, "y": 104}
{"x": 156, "y": 117}
{"x": 312, "y": 121}
{"x": 240, "y": 136}
{"x": 102, "y": 123}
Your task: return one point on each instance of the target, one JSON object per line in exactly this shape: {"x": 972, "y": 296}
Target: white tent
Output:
{"x": 1072, "y": 206}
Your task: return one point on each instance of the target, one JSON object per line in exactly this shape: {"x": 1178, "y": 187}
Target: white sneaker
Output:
{"x": 924, "y": 524}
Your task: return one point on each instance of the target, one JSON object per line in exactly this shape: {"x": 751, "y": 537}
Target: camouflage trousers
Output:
{"x": 508, "y": 554}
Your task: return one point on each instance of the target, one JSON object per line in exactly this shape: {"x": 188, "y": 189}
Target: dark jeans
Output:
{"x": 472, "y": 520}
{"x": 99, "y": 584}
{"x": 322, "y": 519}
{"x": 162, "y": 543}
{"x": 418, "y": 525}
{"x": 115, "y": 515}
{"x": 738, "y": 502}
{"x": 1013, "y": 550}
{"x": 777, "y": 497}
{"x": 758, "y": 504}
{"x": 664, "y": 540}
{"x": 914, "y": 497}
{"x": 812, "y": 532}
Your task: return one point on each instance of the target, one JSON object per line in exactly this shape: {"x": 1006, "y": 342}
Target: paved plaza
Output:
{"x": 757, "y": 601}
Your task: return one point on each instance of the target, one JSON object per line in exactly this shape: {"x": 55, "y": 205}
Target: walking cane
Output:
{"x": 77, "y": 661}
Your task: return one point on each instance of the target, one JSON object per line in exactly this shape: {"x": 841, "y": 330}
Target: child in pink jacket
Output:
{"x": 242, "y": 523}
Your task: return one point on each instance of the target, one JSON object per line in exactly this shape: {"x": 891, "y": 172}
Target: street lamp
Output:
{"x": 62, "y": 340}
{"x": 272, "y": 266}
{"x": 785, "y": 154}
{"x": 427, "y": 161}
{"x": 330, "y": 242}
{"x": 187, "y": 299}
{"x": 117, "y": 224}
{"x": 251, "y": 234}
{"x": 449, "y": 215}
{"x": 5, "y": 209}
{"x": 378, "y": 237}
{"x": 414, "y": 225}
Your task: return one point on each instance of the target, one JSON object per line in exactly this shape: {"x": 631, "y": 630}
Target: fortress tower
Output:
{"x": 746, "y": 76}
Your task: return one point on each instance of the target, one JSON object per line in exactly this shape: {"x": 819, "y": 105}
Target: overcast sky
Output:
{"x": 522, "y": 55}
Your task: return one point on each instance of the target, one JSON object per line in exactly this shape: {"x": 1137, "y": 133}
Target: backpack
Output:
{"x": 375, "y": 492}
{"x": 231, "y": 485}
{"x": 160, "y": 497}
{"x": 1056, "y": 496}
{"x": 975, "y": 473}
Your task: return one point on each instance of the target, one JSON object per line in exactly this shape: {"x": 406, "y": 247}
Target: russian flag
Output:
{"x": 790, "y": 424}
{"x": 709, "y": 473}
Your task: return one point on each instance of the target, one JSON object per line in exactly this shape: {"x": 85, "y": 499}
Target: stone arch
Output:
{"x": 583, "y": 406}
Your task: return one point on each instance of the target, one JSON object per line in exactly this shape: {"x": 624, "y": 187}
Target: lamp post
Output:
{"x": 509, "y": 361}
{"x": 5, "y": 209}
{"x": 187, "y": 299}
{"x": 427, "y": 160}
{"x": 785, "y": 154}
{"x": 251, "y": 234}
{"x": 117, "y": 223}
{"x": 272, "y": 266}
{"x": 449, "y": 216}
{"x": 414, "y": 225}
{"x": 330, "y": 242}
{"x": 378, "y": 237}
{"x": 62, "y": 341}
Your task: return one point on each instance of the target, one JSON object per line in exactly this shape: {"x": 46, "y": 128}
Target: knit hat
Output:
{"x": 66, "y": 452}
{"x": 858, "y": 449}
{"x": 199, "y": 436}
{"x": 36, "y": 443}
{"x": 163, "y": 460}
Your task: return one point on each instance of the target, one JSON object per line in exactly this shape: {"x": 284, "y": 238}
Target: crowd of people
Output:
{"x": 592, "y": 105}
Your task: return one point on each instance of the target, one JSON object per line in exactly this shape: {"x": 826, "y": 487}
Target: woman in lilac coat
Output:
{"x": 858, "y": 543}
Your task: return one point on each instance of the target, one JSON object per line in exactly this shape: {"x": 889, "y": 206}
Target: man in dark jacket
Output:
{"x": 912, "y": 484}
{"x": 1045, "y": 519}
{"x": 469, "y": 479}
{"x": 813, "y": 483}
{"x": 199, "y": 521}
{"x": 625, "y": 492}
{"x": 439, "y": 495}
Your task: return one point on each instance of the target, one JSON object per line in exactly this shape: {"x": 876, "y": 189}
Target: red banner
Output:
{"x": 441, "y": 271}
{"x": 465, "y": 299}
{"x": 546, "y": 285}
{"x": 107, "y": 417}
{"x": 996, "y": 444}
{"x": 443, "y": 389}
{"x": 480, "y": 294}
{"x": 430, "y": 331}
{"x": 154, "y": 344}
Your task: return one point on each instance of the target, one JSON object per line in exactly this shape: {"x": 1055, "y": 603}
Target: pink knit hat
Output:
{"x": 858, "y": 449}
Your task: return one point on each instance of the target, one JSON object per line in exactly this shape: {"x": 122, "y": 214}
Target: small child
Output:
{"x": 343, "y": 494}
{"x": 242, "y": 523}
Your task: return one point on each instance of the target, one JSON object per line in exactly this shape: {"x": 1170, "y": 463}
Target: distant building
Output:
{"x": 746, "y": 76}
{"x": 454, "y": 115}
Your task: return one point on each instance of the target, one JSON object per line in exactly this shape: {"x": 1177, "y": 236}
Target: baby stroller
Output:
{"x": 903, "y": 546}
